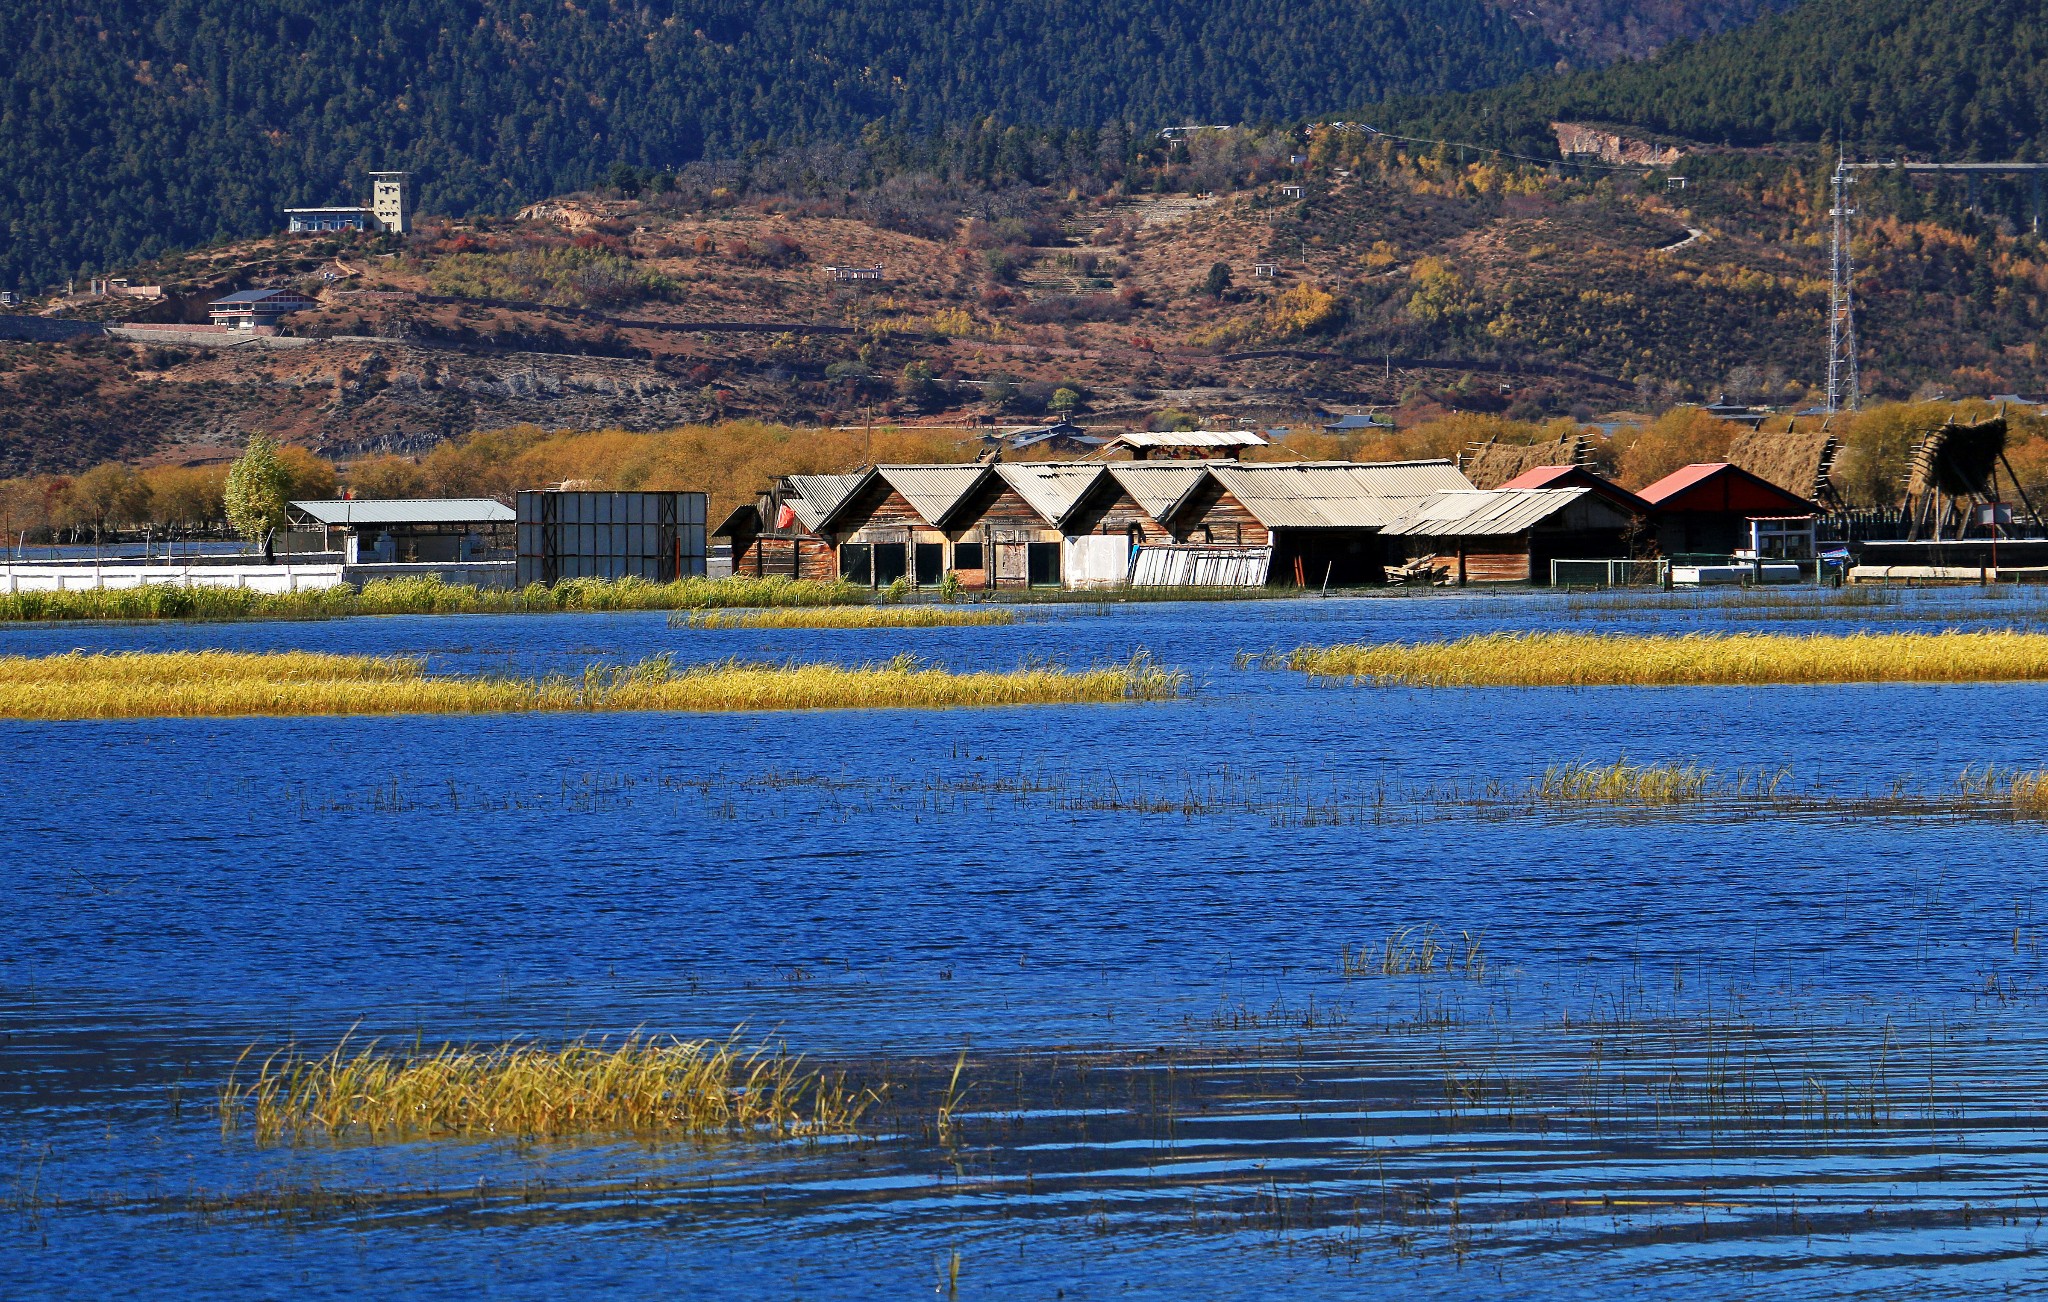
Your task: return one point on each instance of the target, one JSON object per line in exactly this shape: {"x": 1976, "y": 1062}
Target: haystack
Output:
{"x": 1959, "y": 460}
{"x": 1493, "y": 463}
{"x": 1798, "y": 461}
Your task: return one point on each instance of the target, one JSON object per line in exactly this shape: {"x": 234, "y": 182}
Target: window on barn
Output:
{"x": 1043, "y": 562}
{"x": 891, "y": 562}
{"x": 856, "y": 563}
{"x": 967, "y": 556}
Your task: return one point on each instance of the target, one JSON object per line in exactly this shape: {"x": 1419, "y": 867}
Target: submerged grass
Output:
{"x": 1621, "y": 781}
{"x": 422, "y": 596}
{"x": 844, "y": 617}
{"x": 689, "y": 1088}
{"x": 209, "y": 684}
{"x": 1697, "y": 659}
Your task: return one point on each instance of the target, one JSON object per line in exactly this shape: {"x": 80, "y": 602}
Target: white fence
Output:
{"x": 1608, "y": 573}
{"x": 56, "y": 576}
{"x": 29, "y": 576}
{"x": 1200, "y": 566}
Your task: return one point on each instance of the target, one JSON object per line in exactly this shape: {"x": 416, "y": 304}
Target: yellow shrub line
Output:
{"x": 1696, "y": 659}
{"x": 211, "y": 685}
{"x": 171, "y": 667}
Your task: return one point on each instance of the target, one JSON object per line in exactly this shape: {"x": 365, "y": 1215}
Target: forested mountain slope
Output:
{"x": 130, "y": 126}
{"x": 1960, "y": 80}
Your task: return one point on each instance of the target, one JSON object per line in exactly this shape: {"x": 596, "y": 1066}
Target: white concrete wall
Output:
{"x": 46, "y": 576}
{"x": 31, "y": 576}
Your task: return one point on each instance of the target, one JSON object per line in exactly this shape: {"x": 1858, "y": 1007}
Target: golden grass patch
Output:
{"x": 212, "y": 684}
{"x": 1696, "y": 659}
{"x": 687, "y": 1088}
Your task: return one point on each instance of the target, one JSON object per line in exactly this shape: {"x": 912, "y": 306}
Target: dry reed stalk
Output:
{"x": 1696, "y": 659}
{"x": 2026, "y": 790}
{"x": 216, "y": 685}
{"x": 1621, "y": 781}
{"x": 844, "y": 617}
{"x": 692, "y": 1088}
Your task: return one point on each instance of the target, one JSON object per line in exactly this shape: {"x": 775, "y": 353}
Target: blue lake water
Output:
{"x": 1128, "y": 886}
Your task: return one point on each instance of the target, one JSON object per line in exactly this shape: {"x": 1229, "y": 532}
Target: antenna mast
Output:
{"x": 1844, "y": 390}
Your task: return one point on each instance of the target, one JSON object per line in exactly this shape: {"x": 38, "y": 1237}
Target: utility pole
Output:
{"x": 1844, "y": 390}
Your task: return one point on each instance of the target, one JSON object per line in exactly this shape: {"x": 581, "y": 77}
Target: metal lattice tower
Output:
{"x": 1844, "y": 390}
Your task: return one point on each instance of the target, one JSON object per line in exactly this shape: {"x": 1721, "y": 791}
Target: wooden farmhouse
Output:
{"x": 1323, "y": 519}
{"x": 1706, "y": 508}
{"x": 1094, "y": 523}
{"x": 1510, "y": 535}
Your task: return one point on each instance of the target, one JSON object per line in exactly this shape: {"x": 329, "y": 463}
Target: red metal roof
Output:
{"x": 1579, "y": 477}
{"x": 1718, "y": 486}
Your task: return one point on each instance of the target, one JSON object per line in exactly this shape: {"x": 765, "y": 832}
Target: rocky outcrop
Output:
{"x": 1577, "y": 140}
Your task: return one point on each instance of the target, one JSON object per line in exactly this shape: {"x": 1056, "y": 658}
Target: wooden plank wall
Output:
{"x": 1488, "y": 560}
{"x": 1109, "y": 509}
{"x": 880, "y": 507}
{"x": 788, "y": 556}
{"x": 996, "y": 505}
{"x": 1211, "y": 514}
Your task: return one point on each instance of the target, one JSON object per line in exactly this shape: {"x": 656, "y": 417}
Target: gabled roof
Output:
{"x": 1721, "y": 486}
{"x": 933, "y": 491}
{"x": 737, "y": 521}
{"x": 1335, "y": 494}
{"x": 1578, "y": 477}
{"x": 1481, "y": 512}
{"x": 1193, "y": 438}
{"x": 382, "y": 511}
{"x": 816, "y": 497}
{"x": 1158, "y": 486}
{"x": 241, "y": 296}
{"x": 1051, "y": 488}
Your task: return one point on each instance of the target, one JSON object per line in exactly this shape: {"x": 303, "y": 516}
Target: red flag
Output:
{"x": 786, "y": 517}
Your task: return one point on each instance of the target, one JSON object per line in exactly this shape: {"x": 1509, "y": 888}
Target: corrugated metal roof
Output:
{"x": 1192, "y": 438}
{"x": 1578, "y": 477}
{"x": 1681, "y": 479}
{"x": 1481, "y": 513}
{"x": 818, "y": 496}
{"x": 933, "y": 491}
{"x": 1158, "y": 486}
{"x": 1050, "y": 488}
{"x": 1336, "y": 494}
{"x": 373, "y": 511}
{"x": 261, "y": 296}
{"x": 1736, "y": 483}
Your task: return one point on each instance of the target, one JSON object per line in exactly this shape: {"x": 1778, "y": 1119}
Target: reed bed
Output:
{"x": 843, "y": 617}
{"x": 1546, "y": 659}
{"x": 212, "y": 684}
{"x": 2025, "y": 790}
{"x": 1623, "y": 782}
{"x": 423, "y": 596}
{"x": 680, "y": 1088}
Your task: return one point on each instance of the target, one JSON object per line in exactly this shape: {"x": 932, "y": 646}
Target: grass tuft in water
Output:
{"x": 1697, "y": 659}
{"x": 1416, "y": 951}
{"x": 1623, "y": 782}
{"x": 843, "y": 617}
{"x": 215, "y": 684}
{"x": 692, "y": 1088}
{"x": 2026, "y": 790}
